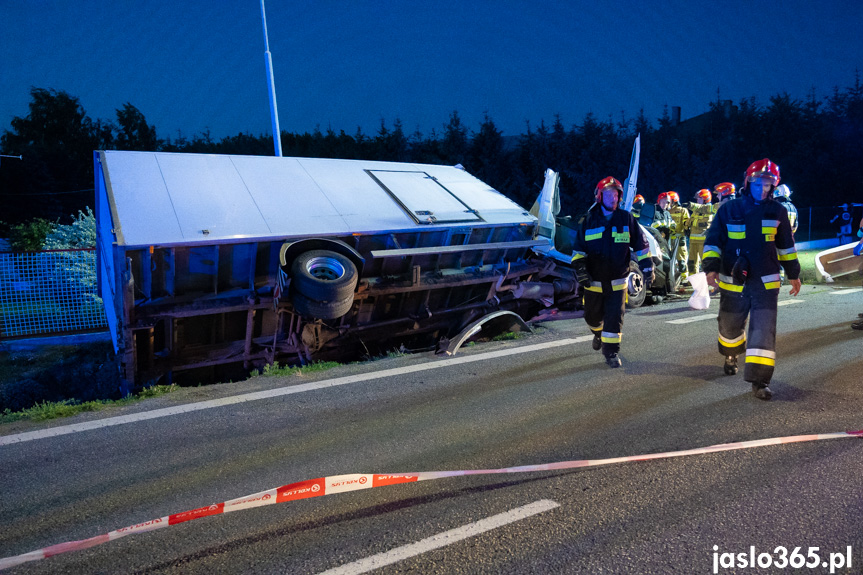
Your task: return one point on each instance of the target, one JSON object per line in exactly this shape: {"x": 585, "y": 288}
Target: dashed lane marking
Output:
{"x": 442, "y": 539}
{"x": 692, "y": 319}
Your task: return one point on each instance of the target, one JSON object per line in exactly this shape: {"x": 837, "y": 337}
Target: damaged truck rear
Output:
{"x": 212, "y": 265}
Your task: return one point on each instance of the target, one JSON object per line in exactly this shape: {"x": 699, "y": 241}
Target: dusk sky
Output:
{"x": 193, "y": 65}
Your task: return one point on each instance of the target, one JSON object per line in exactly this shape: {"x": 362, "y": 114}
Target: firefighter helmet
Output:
{"x": 782, "y": 191}
{"x": 638, "y": 199}
{"x": 704, "y": 195}
{"x": 606, "y": 183}
{"x": 662, "y": 196}
{"x": 724, "y": 190}
{"x": 763, "y": 169}
{"x": 673, "y": 197}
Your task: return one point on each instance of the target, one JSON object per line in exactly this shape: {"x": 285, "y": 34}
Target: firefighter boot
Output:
{"x": 730, "y": 364}
{"x": 613, "y": 360}
{"x": 761, "y": 391}
{"x": 597, "y": 342}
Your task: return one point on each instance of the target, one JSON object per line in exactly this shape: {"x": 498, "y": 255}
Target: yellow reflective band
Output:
{"x": 768, "y": 231}
{"x": 737, "y": 235}
{"x": 730, "y": 287}
{"x": 710, "y": 254}
{"x": 771, "y": 285}
{"x": 613, "y": 339}
{"x": 577, "y": 256}
{"x": 593, "y": 236}
{"x": 594, "y": 288}
{"x": 732, "y": 342}
{"x": 761, "y": 360}
{"x": 787, "y": 257}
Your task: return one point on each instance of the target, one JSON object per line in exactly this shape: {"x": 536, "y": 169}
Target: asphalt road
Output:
{"x": 553, "y": 403}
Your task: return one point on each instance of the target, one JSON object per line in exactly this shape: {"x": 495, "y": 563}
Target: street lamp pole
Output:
{"x": 274, "y": 111}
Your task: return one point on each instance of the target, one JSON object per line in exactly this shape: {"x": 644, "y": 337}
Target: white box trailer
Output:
{"x": 210, "y": 265}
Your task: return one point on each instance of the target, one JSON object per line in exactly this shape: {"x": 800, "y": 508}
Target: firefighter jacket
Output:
{"x": 604, "y": 245}
{"x": 699, "y": 221}
{"x": 761, "y": 233}
{"x": 661, "y": 218}
{"x": 680, "y": 216}
{"x": 792, "y": 212}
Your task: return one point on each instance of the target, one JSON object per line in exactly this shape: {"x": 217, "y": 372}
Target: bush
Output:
{"x": 30, "y": 236}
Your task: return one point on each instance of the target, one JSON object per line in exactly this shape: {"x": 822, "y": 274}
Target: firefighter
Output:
{"x": 748, "y": 240}
{"x": 696, "y": 227}
{"x": 782, "y": 194}
{"x": 601, "y": 257}
{"x": 680, "y": 216}
{"x": 661, "y": 218}
{"x": 724, "y": 192}
{"x": 637, "y": 204}
{"x": 858, "y": 251}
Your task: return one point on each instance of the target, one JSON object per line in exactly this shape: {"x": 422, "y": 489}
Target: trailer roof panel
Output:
{"x": 174, "y": 199}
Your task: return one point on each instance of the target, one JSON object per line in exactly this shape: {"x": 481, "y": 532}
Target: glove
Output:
{"x": 858, "y": 249}
{"x": 581, "y": 273}
{"x": 740, "y": 271}
{"x": 649, "y": 277}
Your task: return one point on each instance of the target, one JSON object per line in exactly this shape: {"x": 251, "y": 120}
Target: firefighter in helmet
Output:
{"x": 680, "y": 217}
{"x": 607, "y": 241}
{"x": 637, "y": 204}
{"x": 747, "y": 242}
{"x": 782, "y": 194}
{"x": 661, "y": 217}
{"x": 696, "y": 227}
{"x": 724, "y": 192}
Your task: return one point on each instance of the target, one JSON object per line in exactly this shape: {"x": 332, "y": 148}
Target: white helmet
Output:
{"x": 782, "y": 191}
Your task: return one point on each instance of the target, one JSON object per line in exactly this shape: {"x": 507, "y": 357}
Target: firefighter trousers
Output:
{"x": 758, "y": 304}
{"x": 696, "y": 248}
{"x": 604, "y": 304}
{"x": 682, "y": 254}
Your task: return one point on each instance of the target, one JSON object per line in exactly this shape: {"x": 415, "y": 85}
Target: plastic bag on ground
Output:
{"x": 700, "y": 298}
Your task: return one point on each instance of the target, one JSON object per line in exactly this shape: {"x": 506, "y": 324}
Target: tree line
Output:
{"x": 818, "y": 143}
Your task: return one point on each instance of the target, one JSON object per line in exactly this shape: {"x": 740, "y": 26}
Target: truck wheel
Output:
{"x": 324, "y": 276}
{"x": 636, "y": 294}
{"x": 308, "y": 307}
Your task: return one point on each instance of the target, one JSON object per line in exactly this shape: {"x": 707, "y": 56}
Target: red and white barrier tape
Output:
{"x": 354, "y": 482}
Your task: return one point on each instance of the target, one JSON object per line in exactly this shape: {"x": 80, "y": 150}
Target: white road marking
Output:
{"x": 289, "y": 390}
{"x": 692, "y": 319}
{"x": 790, "y": 301}
{"x": 442, "y": 539}
{"x": 845, "y": 291}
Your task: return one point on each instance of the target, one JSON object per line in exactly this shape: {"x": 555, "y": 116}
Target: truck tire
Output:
{"x": 324, "y": 276}
{"x": 308, "y": 307}
{"x": 635, "y": 288}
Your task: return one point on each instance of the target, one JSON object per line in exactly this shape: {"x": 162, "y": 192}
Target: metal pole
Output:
{"x": 271, "y": 84}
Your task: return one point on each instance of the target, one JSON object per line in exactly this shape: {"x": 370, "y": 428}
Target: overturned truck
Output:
{"x": 211, "y": 265}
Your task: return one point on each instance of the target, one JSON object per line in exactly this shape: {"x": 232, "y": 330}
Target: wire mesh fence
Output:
{"x": 49, "y": 292}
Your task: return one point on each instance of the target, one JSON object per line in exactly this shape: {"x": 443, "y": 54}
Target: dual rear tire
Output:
{"x": 323, "y": 284}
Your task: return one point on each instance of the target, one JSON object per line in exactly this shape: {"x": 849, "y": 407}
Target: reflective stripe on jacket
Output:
{"x": 759, "y": 232}
{"x": 605, "y": 244}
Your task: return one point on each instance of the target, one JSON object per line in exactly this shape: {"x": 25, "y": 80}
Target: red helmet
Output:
{"x": 605, "y": 183}
{"x": 662, "y": 196}
{"x": 724, "y": 189}
{"x": 704, "y": 195}
{"x": 763, "y": 168}
{"x": 673, "y": 197}
{"x": 638, "y": 199}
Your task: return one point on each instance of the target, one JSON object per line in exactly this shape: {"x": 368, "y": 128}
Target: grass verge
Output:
{"x": 69, "y": 407}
